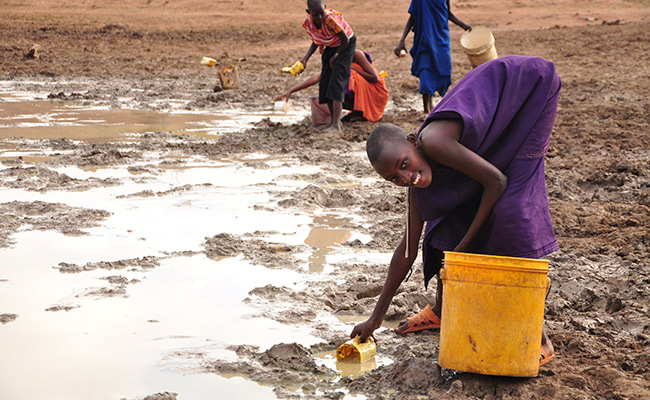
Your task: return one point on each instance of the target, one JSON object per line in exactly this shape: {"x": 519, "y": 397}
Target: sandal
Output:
{"x": 353, "y": 116}
{"x": 425, "y": 319}
{"x": 544, "y": 357}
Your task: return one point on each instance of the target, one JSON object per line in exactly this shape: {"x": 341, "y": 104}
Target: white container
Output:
{"x": 211, "y": 62}
{"x": 478, "y": 44}
{"x": 282, "y": 105}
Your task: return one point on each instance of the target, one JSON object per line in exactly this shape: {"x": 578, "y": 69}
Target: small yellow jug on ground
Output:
{"x": 354, "y": 348}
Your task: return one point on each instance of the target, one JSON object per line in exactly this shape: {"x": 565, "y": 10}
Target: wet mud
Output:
{"x": 40, "y": 215}
{"x": 598, "y": 179}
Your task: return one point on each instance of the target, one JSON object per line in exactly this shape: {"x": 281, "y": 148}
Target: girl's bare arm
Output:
{"x": 453, "y": 18}
{"x": 407, "y": 28}
{"x": 310, "y": 51}
{"x": 368, "y": 72}
{"x": 399, "y": 266}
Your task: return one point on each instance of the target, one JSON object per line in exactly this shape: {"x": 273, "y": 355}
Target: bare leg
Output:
{"x": 437, "y": 308}
{"x": 336, "y": 108}
{"x": 546, "y": 343}
{"x": 427, "y": 102}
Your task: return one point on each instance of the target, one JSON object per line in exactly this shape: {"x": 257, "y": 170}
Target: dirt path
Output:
{"x": 598, "y": 167}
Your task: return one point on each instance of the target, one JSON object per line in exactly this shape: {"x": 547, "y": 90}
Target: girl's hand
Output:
{"x": 399, "y": 48}
{"x": 282, "y": 96}
{"x": 364, "y": 330}
{"x": 333, "y": 59}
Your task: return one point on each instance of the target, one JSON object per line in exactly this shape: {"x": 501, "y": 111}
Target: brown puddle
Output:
{"x": 323, "y": 238}
{"x": 57, "y": 119}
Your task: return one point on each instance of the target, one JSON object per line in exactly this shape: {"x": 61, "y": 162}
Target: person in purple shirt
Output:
{"x": 475, "y": 176}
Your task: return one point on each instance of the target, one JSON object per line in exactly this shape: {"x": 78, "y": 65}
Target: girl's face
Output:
{"x": 404, "y": 164}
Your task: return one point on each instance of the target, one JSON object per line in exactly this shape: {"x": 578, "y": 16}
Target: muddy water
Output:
{"x": 126, "y": 332}
{"x": 22, "y": 116}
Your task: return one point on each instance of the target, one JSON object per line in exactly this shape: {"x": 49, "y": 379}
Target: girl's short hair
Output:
{"x": 382, "y": 136}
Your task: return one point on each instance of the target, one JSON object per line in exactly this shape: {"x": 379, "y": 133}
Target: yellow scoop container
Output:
{"x": 354, "y": 348}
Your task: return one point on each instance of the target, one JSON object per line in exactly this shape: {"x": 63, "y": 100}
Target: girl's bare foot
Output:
{"x": 332, "y": 129}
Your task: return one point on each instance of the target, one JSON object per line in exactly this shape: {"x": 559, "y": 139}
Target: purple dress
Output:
{"x": 507, "y": 107}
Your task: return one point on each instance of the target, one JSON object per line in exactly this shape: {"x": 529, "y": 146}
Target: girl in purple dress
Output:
{"x": 475, "y": 173}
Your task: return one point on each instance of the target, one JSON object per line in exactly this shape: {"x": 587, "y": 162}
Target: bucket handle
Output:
{"x": 548, "y": 287}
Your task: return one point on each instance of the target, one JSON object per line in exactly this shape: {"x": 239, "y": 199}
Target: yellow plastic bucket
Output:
{"x": 492, "y": 314}
{"x": 478, "y": 44}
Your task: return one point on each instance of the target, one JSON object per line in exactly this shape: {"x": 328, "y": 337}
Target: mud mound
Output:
{"x": 285, "y": 366}
{"x": 39, "y": 215}
{"x": 143, "y": 263}
{"x": 414, "y": 376}
{"x": 162, "y": 396}
{"x": 271, "y": 255}
{"x": 288, "y": 356}
{"x": 41, "y": 179}
{"x": 103, "y": 154}
{"x": 150, "y": 193}
{"x": 314, "y": 195}
{"x": 6, "y": 318}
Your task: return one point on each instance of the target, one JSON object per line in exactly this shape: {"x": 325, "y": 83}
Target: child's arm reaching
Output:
{"x": 399, "y": 266}
{"x": 367, "y": 72}
{"x": 407, "y": 28}
{"x": 312, "y": 80}
{"x": 455, "y": 19}
{"x": 305, "y": 58}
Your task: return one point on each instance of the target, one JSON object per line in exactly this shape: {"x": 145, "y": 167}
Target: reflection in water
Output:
{"x": 351, "y": 367}
{"x": 81, "y": 121}
{"x": 323, "y": 238}
{"x": 56, "y": 119}
{"x": 354, "y": 369}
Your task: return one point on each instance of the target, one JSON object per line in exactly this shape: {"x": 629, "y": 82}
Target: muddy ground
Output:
{"x": 598, "y": 171}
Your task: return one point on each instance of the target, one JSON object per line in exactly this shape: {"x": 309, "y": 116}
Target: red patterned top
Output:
{"x": 326, "y": 36}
